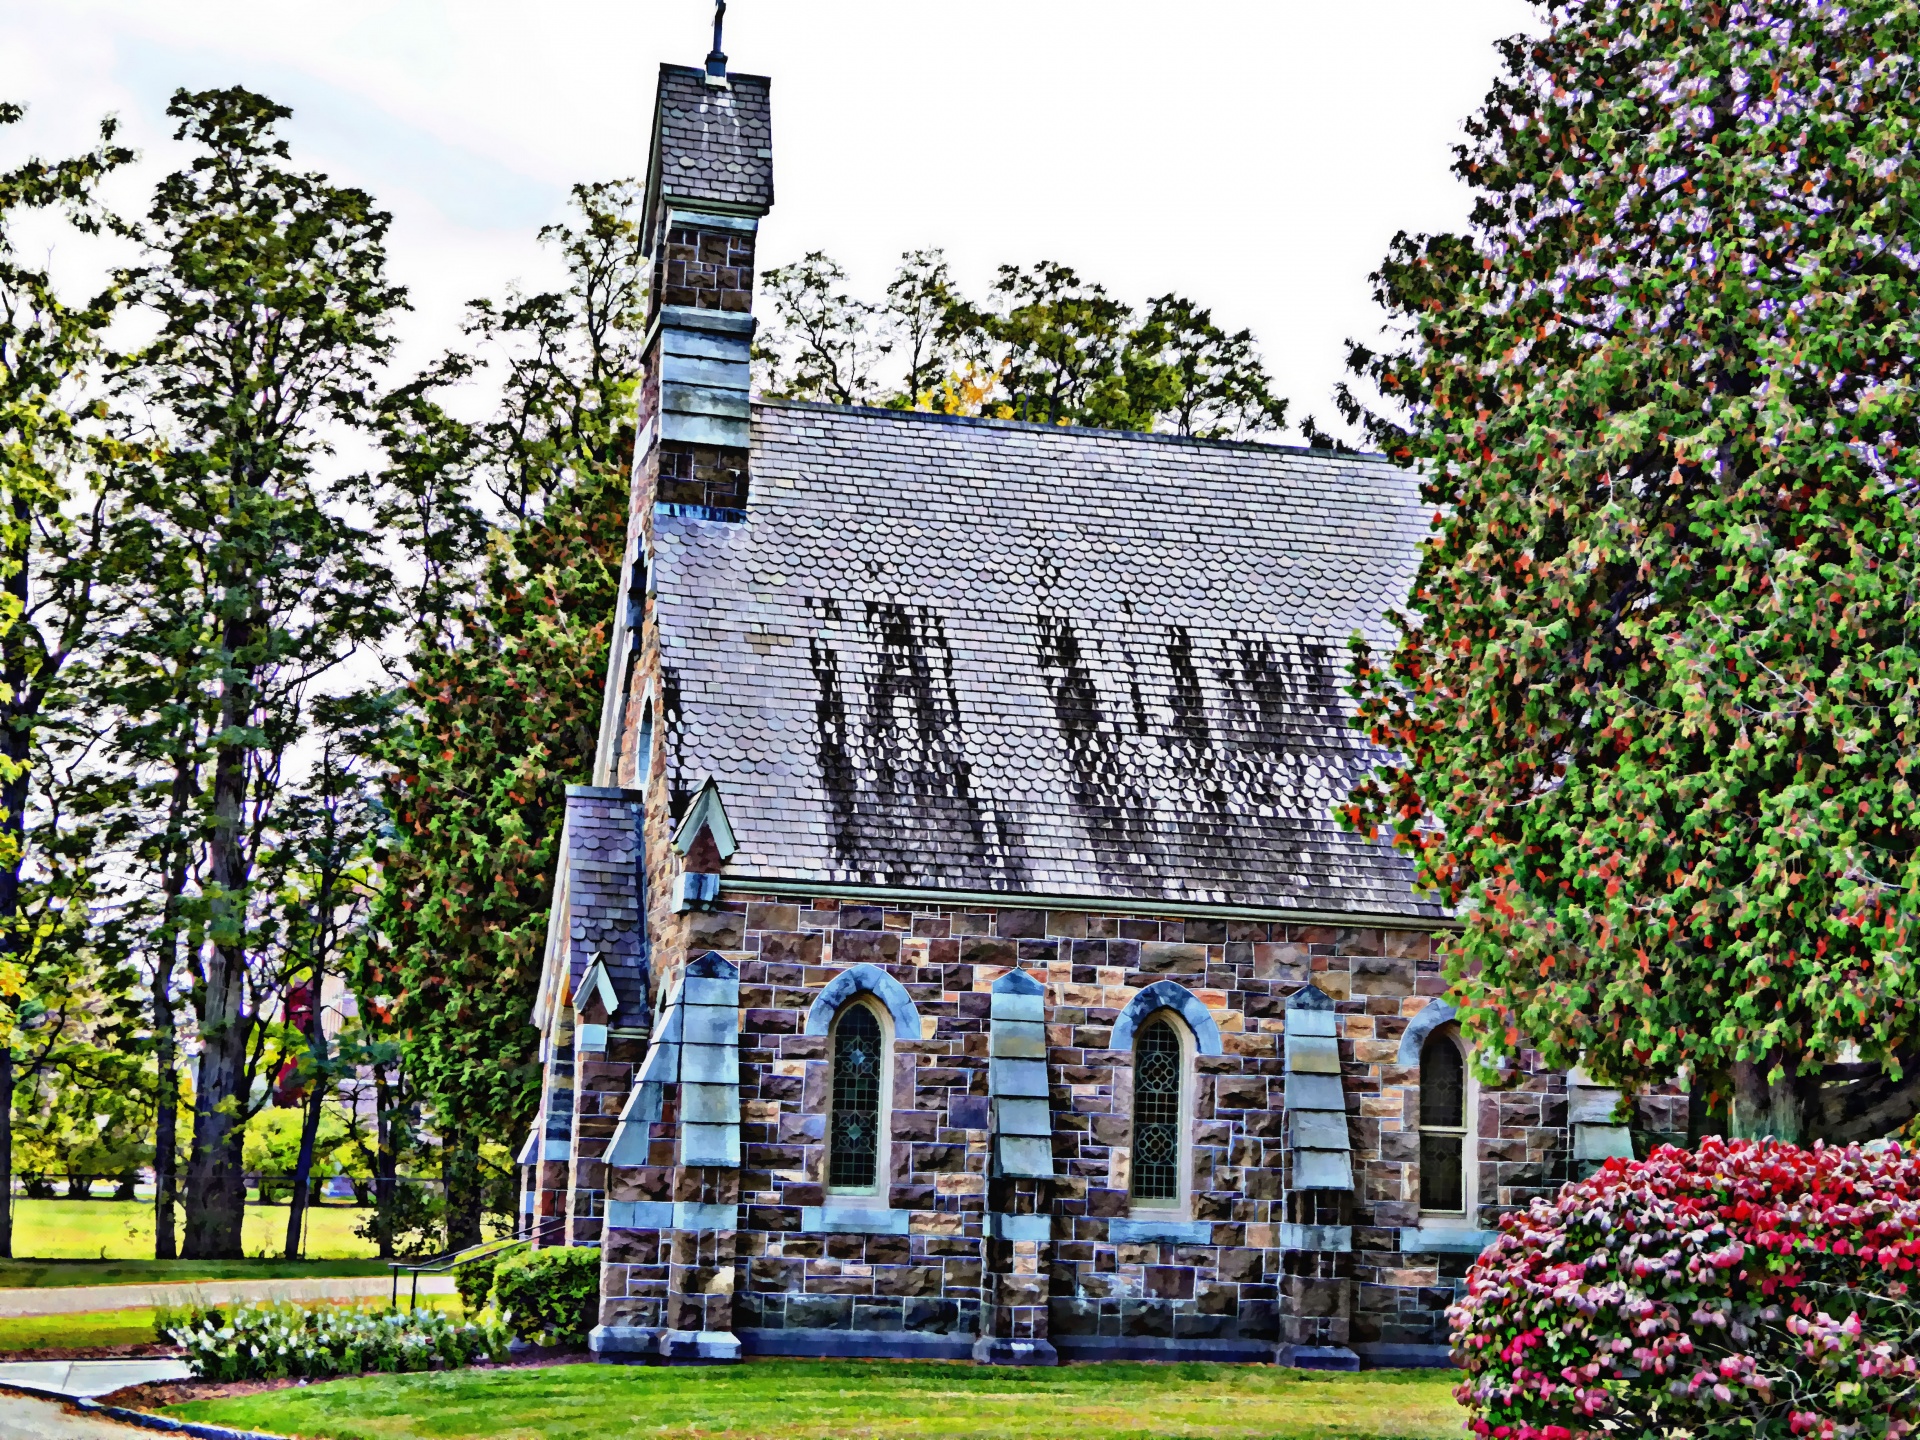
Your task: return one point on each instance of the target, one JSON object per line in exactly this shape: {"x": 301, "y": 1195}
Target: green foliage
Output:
{"x": 1656, "y": 689}
{"x": 474, "y": 1280}
{"x": 273, "y": 1146}
{"x": 268, "y": 288}
{"x": 500, "y": 709}
{"x": 1050, "y": 347}
{"x": 550, "y": 1296}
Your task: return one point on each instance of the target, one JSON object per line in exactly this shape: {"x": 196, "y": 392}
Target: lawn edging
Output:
{"x": 140, "y": 1418}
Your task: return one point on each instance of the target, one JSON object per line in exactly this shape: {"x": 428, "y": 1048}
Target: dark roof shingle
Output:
{"x": 712, "y": 143}
{"x": 991, "y": 656}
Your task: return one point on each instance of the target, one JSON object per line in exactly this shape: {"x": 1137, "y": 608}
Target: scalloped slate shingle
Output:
{"x": 991, "y": 656}
{"x": 712, "y": 143}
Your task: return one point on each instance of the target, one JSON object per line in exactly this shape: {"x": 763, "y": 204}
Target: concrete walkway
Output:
{"x": 79, "y": 1299}
{"x": 23, "y": 1417}
{"x": 88, "y": 1378}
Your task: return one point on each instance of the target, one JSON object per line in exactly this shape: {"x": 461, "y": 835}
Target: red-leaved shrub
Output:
{"x": 1743, "y": 1289}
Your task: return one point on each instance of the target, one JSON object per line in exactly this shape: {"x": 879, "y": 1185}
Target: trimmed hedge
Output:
{"x": 1748, "y": 1289}
{"x": 549, "y": 1296}
{"x": 474, "y": 1280}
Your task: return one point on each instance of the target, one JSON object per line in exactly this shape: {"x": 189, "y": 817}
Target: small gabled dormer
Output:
{"x": 704, "y": 841}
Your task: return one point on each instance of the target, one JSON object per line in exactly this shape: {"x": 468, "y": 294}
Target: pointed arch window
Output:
{"x": 1444, "y": 1173}
{"x": 859, "y": 1076}
{"x": 1158, "y": 1067}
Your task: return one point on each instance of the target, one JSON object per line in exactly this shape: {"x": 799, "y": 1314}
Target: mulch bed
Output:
{"x": 179, "y": 1392}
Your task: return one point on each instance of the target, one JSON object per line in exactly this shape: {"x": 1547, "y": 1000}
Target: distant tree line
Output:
{"x": 1045, "y": 346}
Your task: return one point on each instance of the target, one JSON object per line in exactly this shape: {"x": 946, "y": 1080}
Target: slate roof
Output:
{"x": 983, "y": 655}
{"x": 711, "y": 143}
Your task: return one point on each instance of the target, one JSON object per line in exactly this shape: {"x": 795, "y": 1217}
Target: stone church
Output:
{"x": 955, "y": 954}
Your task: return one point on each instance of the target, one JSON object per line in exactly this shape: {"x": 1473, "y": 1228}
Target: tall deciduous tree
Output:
{"x": 47, "y": 347}
{"x": 1050, "y": 348}
{"x": 1657, "y": 689}
{"x": 270, "y": 293}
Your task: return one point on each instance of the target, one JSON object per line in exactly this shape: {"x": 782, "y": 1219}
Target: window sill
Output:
{"x": 1136, "y": 1229}
{"x": 853, "y": 1220}
{"x": 1451, "y": 1239}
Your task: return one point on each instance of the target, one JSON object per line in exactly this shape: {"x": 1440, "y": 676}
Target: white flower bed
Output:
{"x": 266, "y": 1342}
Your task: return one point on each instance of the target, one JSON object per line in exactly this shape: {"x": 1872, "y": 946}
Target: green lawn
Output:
{"x": 73, "y": 1332}
{"x": 829, "y": 1400}
{"x": 123, "y": 1230}
{"x": 26, "y": 1274}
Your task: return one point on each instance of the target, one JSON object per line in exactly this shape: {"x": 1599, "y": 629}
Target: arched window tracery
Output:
{"x": 1443, "y": 1125}
{"x": 1158, "y": 1074}
{"x": 855, "y": 1118}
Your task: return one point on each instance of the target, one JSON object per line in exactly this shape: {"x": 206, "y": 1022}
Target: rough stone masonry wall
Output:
{"x": 710, "y": 475}
{"x": 706, "y": 269}
{"x": 1221, "y": 1285}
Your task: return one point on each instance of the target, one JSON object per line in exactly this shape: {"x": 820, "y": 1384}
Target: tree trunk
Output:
{"x": 1764, "y": 1109}
{"x": 386, "y": 1162}
{"x": 6, "y": 1152}
{"x": 216, "y": 1187}
{"x": 460, "y": 1173}
{"x": 166, "y": 963}
{"x": 310, "y": 1125}
{"x": 166, "y": 1125}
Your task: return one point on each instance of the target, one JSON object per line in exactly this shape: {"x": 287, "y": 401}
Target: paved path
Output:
{"x": 78, "y": 1299}
{"x": 88, "y": 1377}
{"x": 25, "y": 1418}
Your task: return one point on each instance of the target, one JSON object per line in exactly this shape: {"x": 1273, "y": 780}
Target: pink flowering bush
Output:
{"x": 1746, "y": 1289}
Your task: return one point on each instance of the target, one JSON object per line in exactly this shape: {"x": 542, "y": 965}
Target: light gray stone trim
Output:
{"x": 1336, "y": 1238}
{"x": 632, "y": 1135}
{"x": 865, "y": 980}
{"x": 1017, "y": 1078}
{"x": 709, "y": 1042}
{"x": 1180, "y": 1232}
{"x": 1427, "y": 1239}
{"x": 670, "y": 1215}
{"x": 678, "y": 218}
{"x": 623, "y": 1339}
{"x": 800, "y": 887}
{"x": 1167, "y": 995}
{"x": 692, "y": 317}
{"x": 1019, "y": 1227}
{"x": 1315, "y": 1097}
{"x": 1308, "y": 997}
{"x": 1436, "y": 1014}
{"x": 853, "y": 1220}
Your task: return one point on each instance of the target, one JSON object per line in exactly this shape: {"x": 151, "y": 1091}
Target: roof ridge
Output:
{"x": 1035, "y": 426}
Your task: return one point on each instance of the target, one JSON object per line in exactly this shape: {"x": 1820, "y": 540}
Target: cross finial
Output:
{"x": 717, "y": 58}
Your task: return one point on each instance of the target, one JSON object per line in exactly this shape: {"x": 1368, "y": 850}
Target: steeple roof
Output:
{"x": 712, "y": 144}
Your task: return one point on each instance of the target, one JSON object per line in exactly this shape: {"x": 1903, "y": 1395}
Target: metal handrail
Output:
{"x": 448, "y": 1260}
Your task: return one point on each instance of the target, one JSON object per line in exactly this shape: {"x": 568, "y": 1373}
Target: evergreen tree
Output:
{"x": 491, "y": 728}
{"x": 1656, "y": 689}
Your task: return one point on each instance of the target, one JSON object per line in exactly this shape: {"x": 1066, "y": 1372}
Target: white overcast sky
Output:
{"x": 1257, "y": 155}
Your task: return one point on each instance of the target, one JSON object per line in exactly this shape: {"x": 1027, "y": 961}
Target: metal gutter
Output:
{"x": 1095, "y": 905}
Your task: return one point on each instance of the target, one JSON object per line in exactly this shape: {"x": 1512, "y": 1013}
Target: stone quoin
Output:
{"x": 956, "y": 954}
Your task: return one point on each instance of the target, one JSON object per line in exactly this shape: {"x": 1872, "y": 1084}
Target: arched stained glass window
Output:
{"x": 1443, "y": 1125}
{"x": 853, "y": 1149}
{"x": 1156, "y": 1112}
